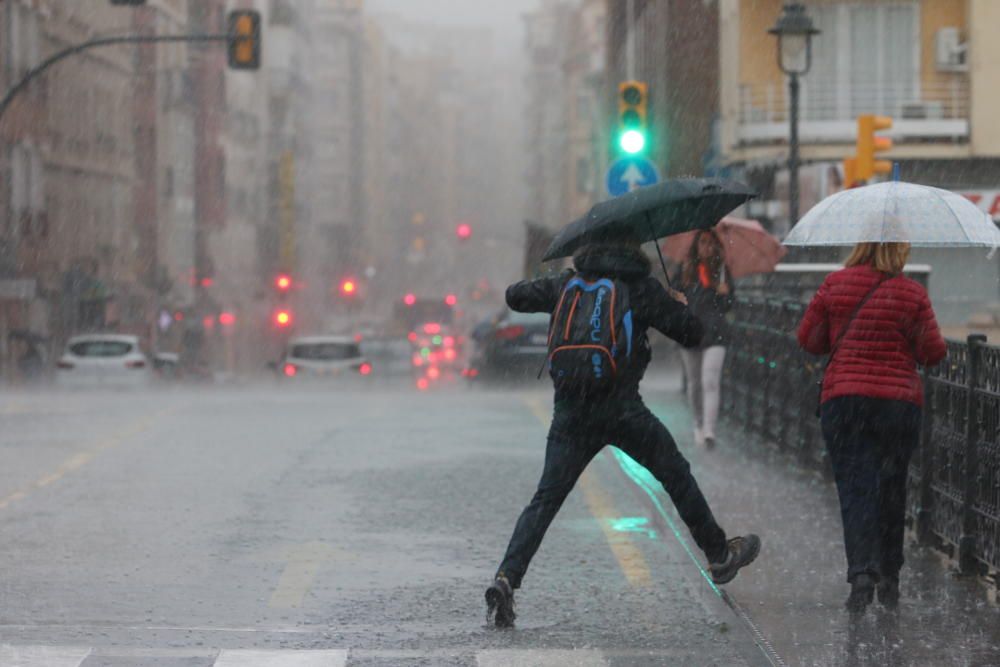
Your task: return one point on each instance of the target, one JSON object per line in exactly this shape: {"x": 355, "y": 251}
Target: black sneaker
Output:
{"x": 888, "y": 592}
{"x": 740, "y": 552}
{"x": 862, "y": 593}
{"x": 500, "y": 603}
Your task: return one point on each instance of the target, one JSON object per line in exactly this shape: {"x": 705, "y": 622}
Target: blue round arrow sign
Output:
{"x": 629, "y": 173}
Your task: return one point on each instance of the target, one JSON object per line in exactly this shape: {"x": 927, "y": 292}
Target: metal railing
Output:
{"x": 770, "y": 391}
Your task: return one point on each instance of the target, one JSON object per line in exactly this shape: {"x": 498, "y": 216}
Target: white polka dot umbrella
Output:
{"x": 896, "y": 212}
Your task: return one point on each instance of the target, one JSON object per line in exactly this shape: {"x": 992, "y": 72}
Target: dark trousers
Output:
{"x": 579, "y": 431}
{"x": 870, "y": 442}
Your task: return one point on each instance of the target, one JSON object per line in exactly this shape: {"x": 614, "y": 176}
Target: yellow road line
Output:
{"x": 304, "y": 563}
{"x": 599, "y": 502}
{"x": 81, "y": 459}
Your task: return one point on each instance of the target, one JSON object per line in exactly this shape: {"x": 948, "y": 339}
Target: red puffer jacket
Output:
{"x": 892, "y": 333}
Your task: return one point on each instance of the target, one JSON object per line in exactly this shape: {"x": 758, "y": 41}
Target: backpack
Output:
{"x": 590, "y": 335}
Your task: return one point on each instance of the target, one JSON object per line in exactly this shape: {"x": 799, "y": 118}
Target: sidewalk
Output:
{"x": 795, "y": 591}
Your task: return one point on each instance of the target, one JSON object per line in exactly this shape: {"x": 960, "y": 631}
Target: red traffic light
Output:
{"x": 463, "y": 231}
{"x": 227, "y": 319}
{"x": 283, "y": 282}
{"x": 348, "y": 287}
{"x": 451, "y": 300}
{"x": 283, "y": 318}
{"x": 410, "y": 299}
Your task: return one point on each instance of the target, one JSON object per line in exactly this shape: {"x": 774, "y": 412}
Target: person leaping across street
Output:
{"x": 598, "y": 353}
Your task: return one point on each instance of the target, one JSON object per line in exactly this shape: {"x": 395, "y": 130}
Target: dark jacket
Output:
{"x": 710, "y": 307}
{"x": 893, "y": 332}
{"x": 651, "y": 305}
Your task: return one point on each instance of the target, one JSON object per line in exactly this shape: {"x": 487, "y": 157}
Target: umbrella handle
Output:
{"x": 656, "y": 242}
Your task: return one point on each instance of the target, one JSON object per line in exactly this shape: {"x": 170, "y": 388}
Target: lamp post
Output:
{"x": 794, "y": 30}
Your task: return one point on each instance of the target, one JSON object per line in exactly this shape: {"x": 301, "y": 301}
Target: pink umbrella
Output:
{"x": 748, "y": 247}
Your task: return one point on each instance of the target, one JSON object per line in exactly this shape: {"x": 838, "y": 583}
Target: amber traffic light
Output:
{"x": 869, "y": 144}
{"x": 244, "y": 39}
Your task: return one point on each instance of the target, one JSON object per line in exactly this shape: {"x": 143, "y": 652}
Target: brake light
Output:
{"x": 65, "y": 365}
{"x": 432, "y": 328}
{"x": 509, "y": 333}
{"x": 412, "y": 336}
{"x": 422, "y": 384}
{"x": 418, "y": 360}
{"x": 365, "y": 369}
{"x": 433, "y": 373}
{"x": 449, "y": 355}
{"x": 473, "y": 372}
{"x": 136, "y": 363}
{"x": 290, "y": 370}
{"x": 449, "y": 341}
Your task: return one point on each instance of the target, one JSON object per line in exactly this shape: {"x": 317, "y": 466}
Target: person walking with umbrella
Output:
{"x": 709, "y": 290}
{"x": 877, "y": 326}
{"x": 598, "y": 351}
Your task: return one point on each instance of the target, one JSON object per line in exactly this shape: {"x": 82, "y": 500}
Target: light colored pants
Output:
{"x": 703, "y": 369}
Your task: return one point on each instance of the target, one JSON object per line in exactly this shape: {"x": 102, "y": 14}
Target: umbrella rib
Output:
{"x": 954, "y": 215}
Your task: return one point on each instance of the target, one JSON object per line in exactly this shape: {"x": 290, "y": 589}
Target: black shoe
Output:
{"x": 888, "y": 592}
{"x": 740, "y": 552}
{"x": 862, "y": 593}
{"x": 709, "y": 443}
{"x": 500, "y": 603}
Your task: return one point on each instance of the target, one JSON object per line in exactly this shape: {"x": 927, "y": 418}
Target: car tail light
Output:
{"x": 449, "y": 355}
{"x": 365, "y": 369}
{"x": 422, "y": 384}
{"x": 65, "y": 365}
{"x": 412, "y": 336}
{"x": 432, "y": 328}
{"x": 433, "y": 373}
{"x": 136, "y": 363}
{"x": 449, "y": 341}
{"x": 473, "y": 372}
{"x": 509, "y": 333}
{"x": 290, "y": 370}
{"x": 418, "y": 361}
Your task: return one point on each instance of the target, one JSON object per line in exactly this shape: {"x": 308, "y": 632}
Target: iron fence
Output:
{"x": 770, "y": 390}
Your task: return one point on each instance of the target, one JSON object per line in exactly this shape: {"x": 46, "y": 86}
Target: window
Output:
{"x": 100, "y": 348}
{"x": 325, "y": 351}
{"x": 22, "y": 39}
{"x": 866, "y": 60}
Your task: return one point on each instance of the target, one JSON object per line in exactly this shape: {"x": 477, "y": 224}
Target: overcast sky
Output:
{"x": 504, "y": 15}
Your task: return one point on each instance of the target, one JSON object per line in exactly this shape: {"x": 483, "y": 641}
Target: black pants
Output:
{"x": 579, "y": 431}
{"x": 870, "y": 442}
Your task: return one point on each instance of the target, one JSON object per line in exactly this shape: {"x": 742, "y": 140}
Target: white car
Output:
{"x": 109, "y": 360}
{"x": 324, "y": 356}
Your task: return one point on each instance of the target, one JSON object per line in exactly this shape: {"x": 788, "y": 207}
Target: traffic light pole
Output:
{"x": 21, "y": 85}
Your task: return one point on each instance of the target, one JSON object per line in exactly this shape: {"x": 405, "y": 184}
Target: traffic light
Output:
{"x": 410, "y": 299}
{"x": 633, "y": 102}
{"x": 463, "y": 231}
{"x": 348, "y": 287}
{"x": 243, "y": 44}
{"x": 283, "y": 282}
{"x": 283, "y": 318}
{"x": 869, "y": 144}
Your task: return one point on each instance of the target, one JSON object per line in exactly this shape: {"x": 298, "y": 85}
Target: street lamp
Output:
{"x": 794, "y": 30}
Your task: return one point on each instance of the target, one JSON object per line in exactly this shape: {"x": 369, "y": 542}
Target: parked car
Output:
{"x": 511, "y": 346}
{"x": 324, "y": 356}
{"x": 111, "y": 360}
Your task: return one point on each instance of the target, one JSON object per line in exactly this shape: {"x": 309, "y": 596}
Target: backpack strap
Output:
{"x": 850, "y": 321}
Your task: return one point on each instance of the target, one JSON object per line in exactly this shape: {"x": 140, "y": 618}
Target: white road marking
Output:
{"x": 541, "y": 658}
{"x": 42, "y": 656}
{"x": 281, "y": 659}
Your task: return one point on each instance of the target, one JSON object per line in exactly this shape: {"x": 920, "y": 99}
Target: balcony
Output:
{"x": 938, "y": 112}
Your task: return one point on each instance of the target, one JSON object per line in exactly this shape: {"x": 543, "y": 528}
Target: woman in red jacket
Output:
{"x": 878, "y": 325}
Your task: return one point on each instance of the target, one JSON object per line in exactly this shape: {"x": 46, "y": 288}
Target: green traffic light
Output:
{"x": 632, "y": 141}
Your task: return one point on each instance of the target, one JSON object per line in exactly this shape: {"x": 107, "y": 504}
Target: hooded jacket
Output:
{"x": 652, "y": 306}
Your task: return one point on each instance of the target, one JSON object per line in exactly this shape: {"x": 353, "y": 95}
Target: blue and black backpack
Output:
{"x": 590, "y": 335}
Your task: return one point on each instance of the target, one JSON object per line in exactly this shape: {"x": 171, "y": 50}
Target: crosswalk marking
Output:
{"x": 548, "y": 658}
{"x": 234, "y": 658}
{"x": 42, "y": 656}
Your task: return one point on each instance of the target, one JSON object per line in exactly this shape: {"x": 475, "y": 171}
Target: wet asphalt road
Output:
{"x": 176, "y": 527}
{"x": 279, "y": 525}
